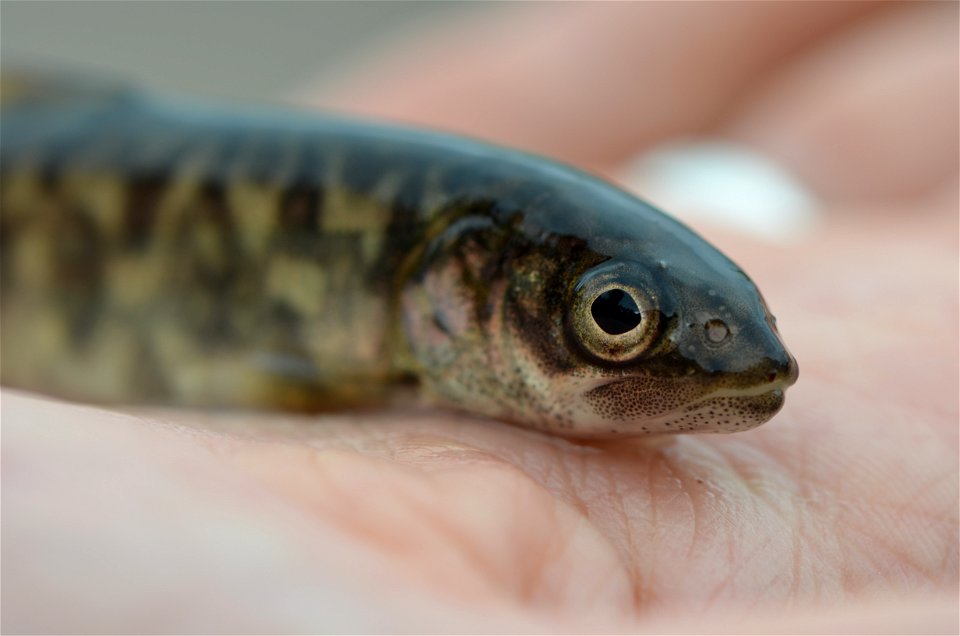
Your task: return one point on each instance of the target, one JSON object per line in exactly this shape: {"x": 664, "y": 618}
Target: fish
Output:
{"x": 168, "y": 250}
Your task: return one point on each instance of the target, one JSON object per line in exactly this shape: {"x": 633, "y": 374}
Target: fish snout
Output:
{"x": 783, "y": 371}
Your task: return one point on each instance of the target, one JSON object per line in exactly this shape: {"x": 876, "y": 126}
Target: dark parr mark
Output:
{"x": 299, "y": 220}
{"x": 300, "y": 210}
{"x": 404, "y": 228}
{"x": 79, "y": 268}
{"x": 211, "y": 266}
{"x": 282, "y": 325}
{"x": 140, "y": 212}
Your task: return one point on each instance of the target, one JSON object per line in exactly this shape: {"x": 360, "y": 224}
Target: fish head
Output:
{"x": 664, "y": 348}
{"x": 588, "y": 313}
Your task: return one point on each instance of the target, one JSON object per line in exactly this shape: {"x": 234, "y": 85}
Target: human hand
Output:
{"x": 841, "y": 514}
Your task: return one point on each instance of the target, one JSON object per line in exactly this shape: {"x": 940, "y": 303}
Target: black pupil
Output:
{"x": 615, "y": 312}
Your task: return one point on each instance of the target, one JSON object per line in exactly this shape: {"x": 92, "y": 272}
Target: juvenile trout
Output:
{"x": 168, "y": 252}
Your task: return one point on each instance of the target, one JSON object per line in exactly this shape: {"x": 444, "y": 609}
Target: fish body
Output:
{"x": 163, "y": 251}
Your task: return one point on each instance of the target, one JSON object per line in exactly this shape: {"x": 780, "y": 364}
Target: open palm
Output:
{"x": 416, "y": 520}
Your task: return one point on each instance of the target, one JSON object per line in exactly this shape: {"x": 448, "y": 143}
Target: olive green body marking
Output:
{"x": 167, "y": 252}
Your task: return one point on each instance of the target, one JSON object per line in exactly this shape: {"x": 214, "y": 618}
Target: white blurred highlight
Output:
{"x": 725, "y": 184}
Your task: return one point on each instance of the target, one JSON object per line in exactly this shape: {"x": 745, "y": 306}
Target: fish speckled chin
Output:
{"x": 168, "y": 252}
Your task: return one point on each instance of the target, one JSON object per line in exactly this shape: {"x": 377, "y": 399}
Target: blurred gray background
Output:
{"x": 242, "y": 50}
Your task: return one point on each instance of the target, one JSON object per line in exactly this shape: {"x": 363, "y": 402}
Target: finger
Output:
{"x": 871, "y": 116}
{"x": 589, "y": 83}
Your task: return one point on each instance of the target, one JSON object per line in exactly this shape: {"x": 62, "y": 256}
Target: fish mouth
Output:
{"x": 773, "y": 388}
{"x": 731, "y": 411}
{"x": 643, "y": 405}
{"x": 779, "y": 379}
{"x": 725, "y": 410}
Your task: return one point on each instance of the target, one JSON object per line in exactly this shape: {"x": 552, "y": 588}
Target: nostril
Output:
{"x": 771, "y": 376}
{"x": 717, "y": 331}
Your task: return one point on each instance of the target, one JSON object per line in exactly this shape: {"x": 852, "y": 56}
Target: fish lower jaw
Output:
{"x": 721, "y": 411}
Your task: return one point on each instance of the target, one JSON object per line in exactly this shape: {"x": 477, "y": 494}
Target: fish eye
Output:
{"x": 612, "y": 319}
{"x": 616, "y": 312}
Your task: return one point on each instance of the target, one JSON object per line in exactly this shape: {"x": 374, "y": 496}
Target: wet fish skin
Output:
{"x": 166, "y": 251}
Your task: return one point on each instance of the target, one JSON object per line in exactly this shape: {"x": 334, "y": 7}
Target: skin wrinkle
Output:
{"x": 655, "y": 515}
{"x": 782, "y": 505}
{"x": 876, "y": 554}
{"x": 714, "y": 596}
{"x": 945, "y": 561}
{"x": 566, "y": 490}
{"x": 648, "y": 511}
{"x": 921, "y": 491}
{"x": 448, "y": 527}
{"x": 690, "y": 497}
{"x": 559, "y": 481}
{"x": 539, "y": 577}
{"x": 803, "y": 578}
{"x": 595, "y": 594}
{"x": 426, "y": 518}
{"x": 782, "y": 578}
{"x": 907, "y": 552}
{"x": 759, "y": 502}
{"x": 742, "y": 561}
{"x": 582, "y": 523}
{"x": 593, "y": 509}
{"x": 534, "y": 584}
{"x": 795, "y": 572}
{"x": 609, "y": 510}
{"x": 855, "y": 515}
{"x": 896, "y": 507}
{"x": 319, "y": 470}
{"x": 616, "y": 511}
{"x": 662, "y": 520}
{"x": 439, "y": 452}
{"x": 806, "y": 567}
{"x": 895, "y": 569}
{"x": 633, "y": 568}
{"x": 526, "y": 589}
{"x": 810, "y": 560}
{"x": 536, "y": 562}
{"x": 701, "y": 530}
{"x": 575, "y": 465}
{"x": 466, "y": 554}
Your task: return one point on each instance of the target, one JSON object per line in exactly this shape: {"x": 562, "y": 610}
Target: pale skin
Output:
{"x": 839, "y": 515}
